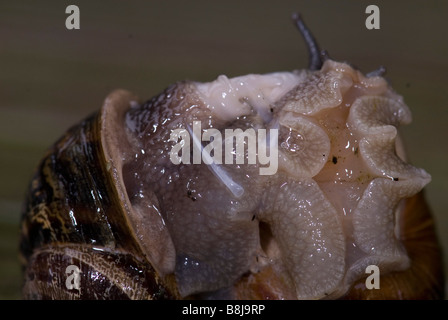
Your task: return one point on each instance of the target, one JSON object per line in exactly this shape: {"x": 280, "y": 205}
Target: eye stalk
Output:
{"x": 316, "y": 56}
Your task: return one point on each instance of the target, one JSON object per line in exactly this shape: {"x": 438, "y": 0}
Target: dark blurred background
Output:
{"x": 51, "y": 77}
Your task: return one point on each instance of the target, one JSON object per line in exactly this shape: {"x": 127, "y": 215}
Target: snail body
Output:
{"x": 108, "y": 197}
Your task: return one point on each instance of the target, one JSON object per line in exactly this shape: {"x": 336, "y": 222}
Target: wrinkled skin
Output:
{"x": 325, "y": 193}
{"x": 330, "y": 209}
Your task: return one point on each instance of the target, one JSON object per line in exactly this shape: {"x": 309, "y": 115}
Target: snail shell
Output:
{"x": 75, "y": 215}
{"x": 108, "y": 198}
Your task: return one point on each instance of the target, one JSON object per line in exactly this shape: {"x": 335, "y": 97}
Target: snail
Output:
{"x": 122, "y": 198}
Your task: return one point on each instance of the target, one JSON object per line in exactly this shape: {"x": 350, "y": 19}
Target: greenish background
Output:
{"x": 51, "y": 78}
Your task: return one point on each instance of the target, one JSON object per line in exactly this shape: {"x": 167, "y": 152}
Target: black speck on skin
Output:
{"x": 189, "y": 193}
{"x": 334, "y": 160}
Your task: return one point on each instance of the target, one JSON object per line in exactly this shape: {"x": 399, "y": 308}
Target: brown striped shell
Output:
{"x": 74, "y": 216}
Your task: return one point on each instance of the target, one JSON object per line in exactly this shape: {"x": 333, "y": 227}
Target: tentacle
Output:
{"x": 315, "y": 57}
{"x": 381, "y": 71}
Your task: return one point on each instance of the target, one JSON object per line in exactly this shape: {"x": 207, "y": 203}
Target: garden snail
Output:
{"x": 109, "y": 199}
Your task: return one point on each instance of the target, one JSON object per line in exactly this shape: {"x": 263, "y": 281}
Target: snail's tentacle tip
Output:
{"x": 295, "y": 16}
{"x": 324, "y": 55}
{"x": 315, "y": 59}
{"x": 380, "y": 72}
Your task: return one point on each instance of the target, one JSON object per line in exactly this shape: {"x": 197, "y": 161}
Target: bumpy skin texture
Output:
{"x": 343, "y": 197}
